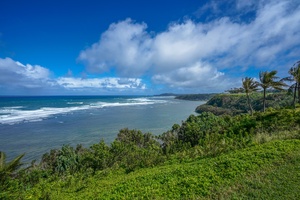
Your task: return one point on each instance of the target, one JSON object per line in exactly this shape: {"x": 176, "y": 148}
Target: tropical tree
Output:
{"x": 295, "y": 76}
{"x": 249, "y": 86}
{"x": 235, "y": 90}
{"x": 10, "y": 167}
{"x": 269, "y": 80}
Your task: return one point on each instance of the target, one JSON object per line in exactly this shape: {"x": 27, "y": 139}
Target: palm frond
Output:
{"x": 14, "y": 164}
{"x": 2, "y": 160}
{"x": 10, "y": 166}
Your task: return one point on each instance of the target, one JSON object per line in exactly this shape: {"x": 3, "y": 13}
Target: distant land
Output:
{"x": 233, "y": 104}
{"x": 166, "y": 94}
{"x": 190, "y": 97}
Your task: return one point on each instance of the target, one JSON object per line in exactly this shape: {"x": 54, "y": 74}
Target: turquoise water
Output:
{"x": 34, "y": 125}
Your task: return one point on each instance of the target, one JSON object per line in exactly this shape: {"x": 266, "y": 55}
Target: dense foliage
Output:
{"x": 190, "y": 97}
{"x": 195, "y": 97}
{"x": 235, "y": 90}
{"x": 233, "y": 104}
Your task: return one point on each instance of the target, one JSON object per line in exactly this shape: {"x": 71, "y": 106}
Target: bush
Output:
{"x": 132, "y": 150}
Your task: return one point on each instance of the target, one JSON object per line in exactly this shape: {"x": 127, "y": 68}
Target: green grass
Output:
{"x": 280, "y": 180}
{"x": 242, "y": 174}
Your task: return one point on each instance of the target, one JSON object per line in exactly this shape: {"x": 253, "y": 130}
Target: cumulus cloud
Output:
{"x": 193, "y": 76}
{"x": 17, "y": 78}
{"x": 15, "y": 74}
{"x": 196, "y": 51}
{"x": 124, "y": 45}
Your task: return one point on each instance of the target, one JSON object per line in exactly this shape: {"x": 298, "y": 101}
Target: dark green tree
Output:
{"x": 196, "y": 128}
{"x": 235, "y": 90}
{"x": 133, "y": 149}
{"x": 269, "y": 80}
{"x": 249, "y": 86}
{"x": 99, "y": 156}
{"x": 295, "y": 77}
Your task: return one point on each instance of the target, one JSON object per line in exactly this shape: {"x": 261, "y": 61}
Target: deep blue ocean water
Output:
{"x": 34, "y": 125}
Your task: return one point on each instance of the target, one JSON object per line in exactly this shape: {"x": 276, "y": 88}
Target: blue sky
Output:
{"x": 57, "y": 47}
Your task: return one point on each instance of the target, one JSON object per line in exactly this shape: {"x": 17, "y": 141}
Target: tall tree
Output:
{"x": 249, "y": 86}
{"x": 269, "y": 80}
{"x": 295, "y": 76}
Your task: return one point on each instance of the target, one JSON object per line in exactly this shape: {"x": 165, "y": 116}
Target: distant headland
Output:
{"x": 190, "y": 97}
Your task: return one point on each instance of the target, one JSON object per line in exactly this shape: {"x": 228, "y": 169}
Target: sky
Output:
{"x": 133, "y": 47}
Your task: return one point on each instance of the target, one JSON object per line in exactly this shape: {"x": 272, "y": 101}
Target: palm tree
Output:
{"x": 269, "y": 80}
{"x": 249, "y": 86}
{"x": 295, "y": 76}
{"x": 10, "y": 167}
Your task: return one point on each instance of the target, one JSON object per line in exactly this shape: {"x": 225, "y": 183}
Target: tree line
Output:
{"x": 268, "y": 80}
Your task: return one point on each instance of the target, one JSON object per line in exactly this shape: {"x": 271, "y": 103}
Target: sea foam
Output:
{"x": 16, "y": 114}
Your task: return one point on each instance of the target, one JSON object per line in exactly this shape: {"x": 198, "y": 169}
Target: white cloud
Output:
{"x": 189, "y": 42}
{"x": 103, "y": 83}
{"x": 15, "y": 74}
{"x": 17, "y": 78}
{"x": 266, "y": 39}
{"x": 33, "y": 72}
{"x": 198, "y": 75}
{"x": 124, "y": 45}
{"x": 222, "y": 43}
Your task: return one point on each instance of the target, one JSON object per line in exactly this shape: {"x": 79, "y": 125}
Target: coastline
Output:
{"x": 86, "y": 123}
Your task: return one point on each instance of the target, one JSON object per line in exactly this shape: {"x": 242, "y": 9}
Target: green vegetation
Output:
{"x": 8, "y": 169}
{"x": 233, "y": 104}
{"x": 235, "y": 90}
{"x": 189, "y": 180}
{"x": 207, "y": 155}
{"x": 195, "y": 97}
{"x": 277, "y": 180}
{"x": 269, "y": 80}
{"x": 249, "y": 86}
{"x": 190, "y": 97}
{"x": 295, "y": 77}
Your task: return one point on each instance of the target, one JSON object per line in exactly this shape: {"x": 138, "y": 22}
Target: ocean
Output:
{"x": 34, "y": 125}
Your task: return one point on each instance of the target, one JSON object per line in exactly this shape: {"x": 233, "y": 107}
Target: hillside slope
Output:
{"x": 233, "y": 104}
{"x": 220, "y": 177}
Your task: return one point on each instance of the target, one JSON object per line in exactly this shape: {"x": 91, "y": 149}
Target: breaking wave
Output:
{"x": 17, "y": 114}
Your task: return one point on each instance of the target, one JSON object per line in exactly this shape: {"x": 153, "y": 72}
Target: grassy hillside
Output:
{"x": 261, "y": 171}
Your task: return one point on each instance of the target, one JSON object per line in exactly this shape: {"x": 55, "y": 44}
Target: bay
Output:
{"x": 34, "y": 125}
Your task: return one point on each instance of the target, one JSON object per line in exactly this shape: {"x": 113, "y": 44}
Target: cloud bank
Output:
{"x": 16, "y": 75}
{"x": 107, "y": 83}
{"x": 35, "y": 79}
{"x": 193, "y": 54}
